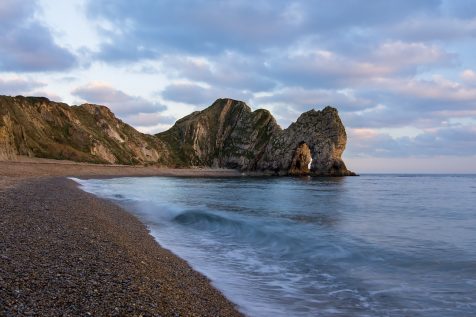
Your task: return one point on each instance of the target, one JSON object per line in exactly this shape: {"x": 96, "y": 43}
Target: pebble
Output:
{"x": 64, "y": 252}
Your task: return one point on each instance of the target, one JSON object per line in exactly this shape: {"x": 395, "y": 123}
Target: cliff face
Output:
{"x": 88, "y": 133}
{"x": 226, "y": 134}
{"x": 317, "y": 138}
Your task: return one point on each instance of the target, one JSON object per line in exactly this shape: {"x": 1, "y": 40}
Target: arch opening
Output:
{"x": 301, "y": 162}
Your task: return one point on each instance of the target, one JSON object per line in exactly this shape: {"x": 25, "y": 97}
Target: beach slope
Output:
{"x": 66, "y": 252}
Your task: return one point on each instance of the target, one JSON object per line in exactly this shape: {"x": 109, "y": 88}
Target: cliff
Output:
{"x": 312, "y": 145}
{"x": 38, "y": 127}
{"x": 227, "y": 134}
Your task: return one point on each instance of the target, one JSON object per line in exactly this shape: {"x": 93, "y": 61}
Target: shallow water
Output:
{"x": 374, "y": 245}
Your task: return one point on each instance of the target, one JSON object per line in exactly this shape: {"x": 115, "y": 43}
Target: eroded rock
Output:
{"x": 301, "y": 160}
{"x": 38, "y": 127}
{"x": 227, "y": 134}
{"x": 323, "y": 134}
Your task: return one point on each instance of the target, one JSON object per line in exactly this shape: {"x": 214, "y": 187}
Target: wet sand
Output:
{"x": 66, "y": 252}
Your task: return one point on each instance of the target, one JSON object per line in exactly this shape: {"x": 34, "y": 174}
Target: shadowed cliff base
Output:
{"x": 225, "y": 135}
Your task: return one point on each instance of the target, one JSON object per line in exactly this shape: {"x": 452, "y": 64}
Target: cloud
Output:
{"x": 198, "y": 95}
{"x": 432, "y": 28}
{"x": 48, "y": 94}
{"x": 27, "y": 45}
{"x": 312, "y": 66}
{"x": 146, "y": 120}
{"x": 120, "y": 103}
{"x": 402, "y": 55}
{"x": 288, "y": 103}
{"x": 18, "y": 86}
{"x": 451, "y": 141}
{"x": 229, "y": 70}
{"x": 437, "y": 93}
{"x": 468, "y": 75}
{"x": 417, "y": 165}
{"x": 301, "y": 99}
{"x": 211, "y": 28}
{"x": 461, "y": 8}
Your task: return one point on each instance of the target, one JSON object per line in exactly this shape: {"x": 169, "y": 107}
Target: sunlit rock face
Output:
{"x": 225, "y": 135}
{"x": 323, "y": 134}
{"x": 228, "y": 134}
{"x": 38, "y": 127}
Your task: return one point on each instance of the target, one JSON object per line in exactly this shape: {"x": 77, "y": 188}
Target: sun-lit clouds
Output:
{"x": 150, "y": 119}
{"x": 305, "y": 98}
{"x": 120, "y": 102}
{"x": 48, "y": 94}
{"x": 403, "y": 55}
{"x": 203, "y": 28}
{"x": 201, "y": 95}
{"x": 468, "y": 75}
{"x": 427, "y": 95}
{"x": 454, "y": 140}
{"x": 435, "y": 165}
{"x": 150, "y": 122}
{"x": 230, "y": 70}
{"x": 146, "y": 115}
{"x": 288, "y": 103}
{"x": 17, "y": 85}
{"x": 200, "y": 27}
{"x": 312, "y": 66}
{"x": 26, "y": 44}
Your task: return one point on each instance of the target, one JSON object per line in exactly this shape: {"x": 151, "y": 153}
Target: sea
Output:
{"x": 373, "y": 245}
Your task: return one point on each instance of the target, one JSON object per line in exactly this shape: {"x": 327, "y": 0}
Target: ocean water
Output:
{"x": 374, "y": 245}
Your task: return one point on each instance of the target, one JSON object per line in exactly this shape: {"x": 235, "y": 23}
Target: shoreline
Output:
{"x": 66, "y": 252}
{"x": 45, "y": 167}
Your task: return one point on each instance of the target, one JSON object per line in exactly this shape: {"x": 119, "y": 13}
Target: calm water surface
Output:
{"x": 374, "y": 245}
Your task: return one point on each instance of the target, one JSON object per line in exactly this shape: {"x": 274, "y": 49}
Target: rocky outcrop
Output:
{"x": 317, "y": 138}
{"x": 227, "y": 134}
{"x": 38, "y": 127}
{"x": 7, "y": 142}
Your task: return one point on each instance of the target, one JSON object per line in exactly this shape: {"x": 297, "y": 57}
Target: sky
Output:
{"x": 402, "y": 73}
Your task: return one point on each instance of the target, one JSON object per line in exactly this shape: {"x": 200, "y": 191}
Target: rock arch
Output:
{"x": 301, "y": 160}
{"x": 319, "y": 135}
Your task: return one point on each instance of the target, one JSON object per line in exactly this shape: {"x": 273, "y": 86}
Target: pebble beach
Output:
{"x": 66, "y": 252}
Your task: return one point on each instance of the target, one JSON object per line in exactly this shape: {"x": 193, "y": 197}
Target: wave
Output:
{"x": 282, "y": 240}
{"x": 222, "y": 225}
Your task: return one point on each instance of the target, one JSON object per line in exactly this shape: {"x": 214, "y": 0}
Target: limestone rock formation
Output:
{"x": 316, "y": 135}
{"x": 301, "y": 162}
{"x": 38, "y": 127}
{"x": 227, "y": 134}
